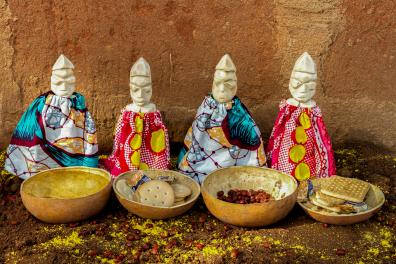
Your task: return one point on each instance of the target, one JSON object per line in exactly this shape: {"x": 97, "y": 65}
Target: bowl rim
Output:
{"x": 66, "y": 168}
{"x": 193, "y": 199}
{"x": 348, "y": 215}
{"x": 203, "y": 188}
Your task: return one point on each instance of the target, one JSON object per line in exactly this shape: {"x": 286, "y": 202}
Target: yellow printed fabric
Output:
{"x": 78, "y": 117}
{"x": 261, "y": 155}
{"x": 135, "y": 158}
{"x": 304, "y": 120}
{"x": 136, "y": 142}
{"x": 91, "y": 138}
{"x": 140, "y": 143}
{"x": 217, "y": 134}
{"x": 297, "y": 153}
{"x": 188, "y": 138}
{"x": 139, "y": 123}
{"x": 157, "y": 141}
{"x": 302, "y": 172}
{"x": 71, "y": 145}
{"x": 301, "y": 136}
{"x": 143, "y": 166}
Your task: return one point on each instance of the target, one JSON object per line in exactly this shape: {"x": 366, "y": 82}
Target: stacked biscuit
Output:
{"x": 340, "y": 195}
{"x": 164, "y": 191}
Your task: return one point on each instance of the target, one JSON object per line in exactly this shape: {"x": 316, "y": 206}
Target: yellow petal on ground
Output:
{"x": 157, "y": 141}
{"x": 304, "y": 120}
{"x": 143, "y": 166}
{"x": 136, "y": 142}
{"x": 301, "y": 136}
{"x": 297, "y": 153}
{"x": 302, "y": 172}
{"x": 139, "y": 124}
{"x": 135, "y": 158}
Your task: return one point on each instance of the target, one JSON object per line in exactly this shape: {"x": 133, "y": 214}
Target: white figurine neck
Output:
{"x": 147, "y": 108}
{"x": 309, "y": 104}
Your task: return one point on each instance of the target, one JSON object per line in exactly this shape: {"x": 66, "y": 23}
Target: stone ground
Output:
{"x": 116, "y": 236}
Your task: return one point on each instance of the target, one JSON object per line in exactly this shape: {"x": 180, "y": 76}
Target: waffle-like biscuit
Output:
{"x": 349, "y": 189}
{"x": 340, "y": 209}
{"x": 318, "y": 183}
{"x": 327, "y": 199}
{"x": 181, "y": 190}
{"x": 156, "y": 193}
{"x": 314, "y": 201}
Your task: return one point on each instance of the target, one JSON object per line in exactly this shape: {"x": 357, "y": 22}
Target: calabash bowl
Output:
{"x": 375, "y": 199}
{"x": 67, "y": 194}
{"x": 248, "y": 177}
{"x": 158, "y": 212}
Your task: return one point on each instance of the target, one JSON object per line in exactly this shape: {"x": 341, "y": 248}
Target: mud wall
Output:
{"x": 353, "y": 42}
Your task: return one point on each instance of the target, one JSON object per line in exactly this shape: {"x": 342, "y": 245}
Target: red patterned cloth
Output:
{"x": 141, "y": 142}
{"x": 299, "y": 144}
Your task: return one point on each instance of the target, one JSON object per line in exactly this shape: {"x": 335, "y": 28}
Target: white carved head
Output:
{"x": 140, "y": 82}
{"x": 63, "y": 81}
{"x": 302, "y": 83}
{"x": 225, "y": 81}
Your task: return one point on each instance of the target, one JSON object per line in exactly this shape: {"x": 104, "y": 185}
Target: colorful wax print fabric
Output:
{"x": 299, "y": 144}
{"x": 140, "y": 142}
{"x": 53, "y": 132}
{"x": 222, "y": 135}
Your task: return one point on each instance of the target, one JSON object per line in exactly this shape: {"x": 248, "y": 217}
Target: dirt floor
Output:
{"x": 116, "y": 236}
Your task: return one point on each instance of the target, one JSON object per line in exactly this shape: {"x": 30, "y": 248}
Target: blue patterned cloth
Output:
{"x": 54, "y": 131}
{"x": 222, "y": 135}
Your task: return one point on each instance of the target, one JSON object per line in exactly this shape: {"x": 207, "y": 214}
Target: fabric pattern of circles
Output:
{"x": 299, "y": 144}
{"x": 297, "y": 152}
{"x": 140, "y": 142}
{"x": 157, "y": 141}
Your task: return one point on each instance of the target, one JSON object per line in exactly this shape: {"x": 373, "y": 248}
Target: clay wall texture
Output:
{"x": 352, "y": 41}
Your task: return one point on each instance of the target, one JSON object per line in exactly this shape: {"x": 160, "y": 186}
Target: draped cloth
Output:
{"x": 141, "y": 142}
{"x": 53, "y": 132}
{"x": 299, "y": 144}
{"x": 222, "y": 135}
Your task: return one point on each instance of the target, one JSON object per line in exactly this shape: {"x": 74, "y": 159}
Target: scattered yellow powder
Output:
{"x": 386, "y": 243}
{"x": 277, "y": 242}
{"x": 210, "y": 250}
{"x": 374, "y": 251}
{"x": 70, "y": 241}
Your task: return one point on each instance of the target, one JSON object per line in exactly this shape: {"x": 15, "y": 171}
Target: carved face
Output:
{"x": 224, "y": 86}
{"x": 141, "y": 90}
{"x": 302, "y": 86}
{"x": 63, "y": 82}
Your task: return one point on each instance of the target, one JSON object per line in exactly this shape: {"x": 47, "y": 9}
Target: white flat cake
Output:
{"x": 156, "y": 193}
{"x": 181, "y": 191}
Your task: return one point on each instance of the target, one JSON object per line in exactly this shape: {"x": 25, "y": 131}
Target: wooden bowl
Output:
{"x": 375, "y": 199}
{"x": 248, "y": 177}
{"x": 64, "y": 195}
{"x": 158, "y": 212}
